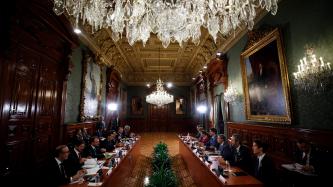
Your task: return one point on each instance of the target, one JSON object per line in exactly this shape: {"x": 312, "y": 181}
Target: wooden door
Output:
{"x": 31, "y": 99}
{"x": 20, "y": 95}
{"x": 34, "y": 62}
{"x": 158, "y": 118}
{"x": 46, "y": 113}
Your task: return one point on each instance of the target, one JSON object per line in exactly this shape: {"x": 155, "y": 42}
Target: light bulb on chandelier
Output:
{"x": 230, "y": 94}
{"x": 313, "y": 74}
{"x": 170, "y": 20}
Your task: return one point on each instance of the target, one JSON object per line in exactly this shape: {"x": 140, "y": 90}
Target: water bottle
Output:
{"x": 227, "y": 164}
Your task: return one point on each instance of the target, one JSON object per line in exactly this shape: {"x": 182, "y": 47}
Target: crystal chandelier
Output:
{"x": 159, "y": 97}
{"x": 231, "y": 94}
{"x": 313, "y": 74}
{"x": 171, "y": 20}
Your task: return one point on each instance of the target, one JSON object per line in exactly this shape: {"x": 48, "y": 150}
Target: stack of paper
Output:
{"x": 92, "y": 171}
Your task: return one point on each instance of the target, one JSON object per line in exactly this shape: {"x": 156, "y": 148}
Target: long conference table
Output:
{"x": 203, "y": 176}
{"x": 115, "y": 176}
{"x": 200, "y": 172}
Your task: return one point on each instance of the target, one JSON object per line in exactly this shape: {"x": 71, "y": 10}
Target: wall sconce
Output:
{"x": 313, "y": 74}
{"x": 230, "y": 94}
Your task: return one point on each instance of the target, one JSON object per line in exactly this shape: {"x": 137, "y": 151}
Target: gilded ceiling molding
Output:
{"x": 203, "y": 40}
{"x": 120, "y": 50}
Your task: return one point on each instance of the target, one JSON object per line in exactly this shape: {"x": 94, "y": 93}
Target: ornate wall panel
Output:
{"x": 33, "y": 70}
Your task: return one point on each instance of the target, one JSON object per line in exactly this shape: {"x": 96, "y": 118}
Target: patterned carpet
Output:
{"x": 142, "y": 168}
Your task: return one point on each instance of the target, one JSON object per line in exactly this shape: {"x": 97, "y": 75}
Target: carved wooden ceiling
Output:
{"x": 139, "y": 65}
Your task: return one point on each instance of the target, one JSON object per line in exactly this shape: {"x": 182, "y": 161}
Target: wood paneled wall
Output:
{"x": 34, "y": 66}
{"x": 282, "y": 141}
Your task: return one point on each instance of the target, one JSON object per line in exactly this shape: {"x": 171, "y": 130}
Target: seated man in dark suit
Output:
{"x": 224, "y": 148}
{"x": 93, "y": 150}
{"x": 307, "y": 156}
{"x": 120, "y": 133}
{"x": 241, "y": 154}
{"x": 110, "y": 143}
{"x": 212, "y": 143}
{"x": 264, "y": 168}
{"x": 75, "y": 160}
{"x": 56, "y": 171}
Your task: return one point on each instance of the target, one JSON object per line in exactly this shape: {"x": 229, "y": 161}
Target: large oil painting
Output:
{"x": 180, "y": 106}
{"x": 265, "y": 80}
{"x": 91, "y": 89}
{"x": 137, "y": 105}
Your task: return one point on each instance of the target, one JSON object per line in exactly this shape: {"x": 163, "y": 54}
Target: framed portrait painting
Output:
{"x": 136, "y": 105}
{"x": 180, "y": 106}
{"x": 92, "y": 81}
{"x": 265, "y": 78}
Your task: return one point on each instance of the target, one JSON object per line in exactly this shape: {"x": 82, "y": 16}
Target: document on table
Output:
{"x": 93, "y": 171}
{"x": 297, "y": 168}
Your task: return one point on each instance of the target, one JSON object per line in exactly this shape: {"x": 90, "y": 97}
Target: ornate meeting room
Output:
{"x": 166, "y": 93}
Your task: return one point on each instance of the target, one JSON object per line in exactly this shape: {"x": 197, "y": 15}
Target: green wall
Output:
{"x": 72, "y": 107}
{"x": 302, "y": 22}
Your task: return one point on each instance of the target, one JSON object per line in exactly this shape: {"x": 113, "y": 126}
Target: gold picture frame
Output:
{"x": 137, "y": 107}
{"x": 180, "y": 104}
{"x": 91, "y": 91}
{"x": 265, "y": 78}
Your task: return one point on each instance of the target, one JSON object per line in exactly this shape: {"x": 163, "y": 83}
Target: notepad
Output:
{"x": 92, "y": 171}
{"x": 95, "y": 184}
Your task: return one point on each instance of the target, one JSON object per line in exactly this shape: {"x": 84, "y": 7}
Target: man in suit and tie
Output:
{"x": 212, "y": 143}
{"x": 264, "y": 168}
{"x": 93, "y": 150}
{"x": 75, "y": 160}
{"x": 224, "y": 148}
{"x": 120, "y": 133}
{"x": 56, "y": 171}
{"x": 241, "y": 154}
{"x": 307, "y": 156}
{"x": 110, "y": 142}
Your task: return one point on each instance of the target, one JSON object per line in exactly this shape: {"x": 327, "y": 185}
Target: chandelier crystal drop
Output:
{"x": 159, "y": 97}
{"x": 171, "y": 20}
{"x": 313, "y": 74}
